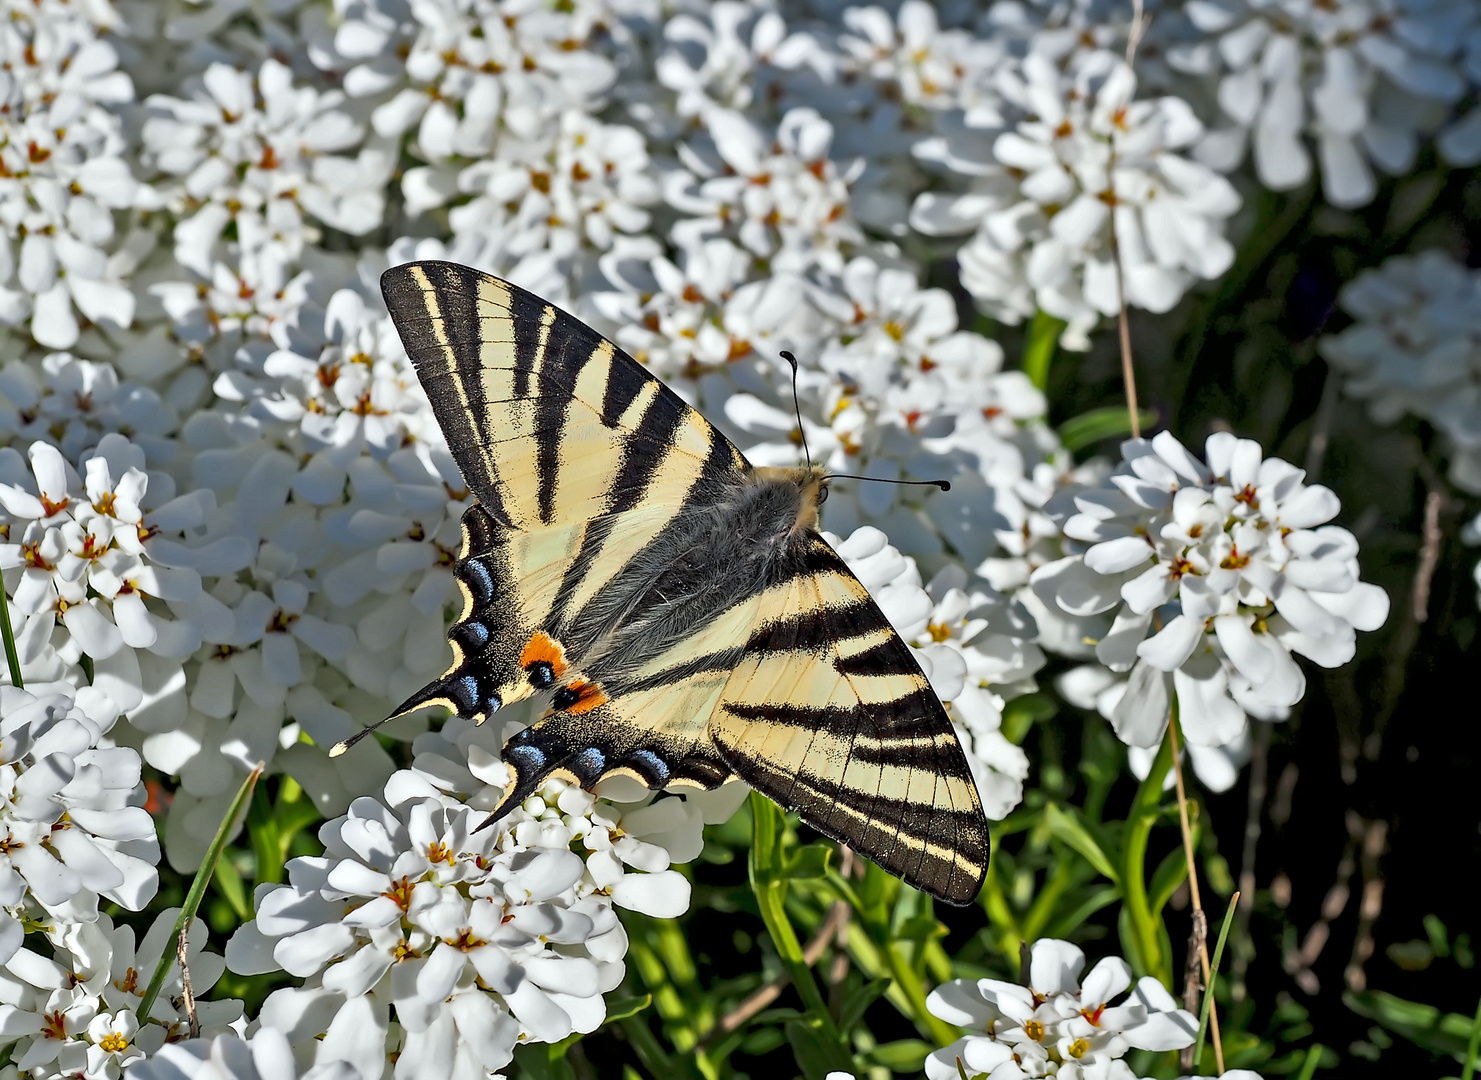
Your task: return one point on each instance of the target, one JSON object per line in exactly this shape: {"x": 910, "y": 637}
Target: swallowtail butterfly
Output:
{"x": 675, "y": 606}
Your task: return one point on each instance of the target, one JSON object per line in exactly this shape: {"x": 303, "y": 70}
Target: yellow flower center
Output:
{"x": 114, "y": 1043}
{"x": 1078, "y": 1049}
{"x": 1034, "y": 1030}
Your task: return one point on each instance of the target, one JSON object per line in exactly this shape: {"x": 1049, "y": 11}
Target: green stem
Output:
{"x": 771, "y": 895}
{"x": 1146, "y": 941}
{"x": 1038, "y": 348}
{"x": 914, "y": 991}
{"x": 1473, "y": 1046}
{"x": 12, "y": 657}
{"x": 197, "y": 891}
{"x": 1213, "y": 975}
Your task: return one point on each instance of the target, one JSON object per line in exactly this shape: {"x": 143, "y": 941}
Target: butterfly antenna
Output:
{"x": 944, "y": 485}
{"x": 796, "y": 404}
{"x": 344, "y": 744}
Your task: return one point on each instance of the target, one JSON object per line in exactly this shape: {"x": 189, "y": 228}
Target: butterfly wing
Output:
{"x": 577, "y": 455}
{"x": 828, "y": 713}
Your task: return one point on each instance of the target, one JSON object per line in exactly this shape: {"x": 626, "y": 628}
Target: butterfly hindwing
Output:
{"x": 828, "y": 713}
{"x": 677, "y": 606}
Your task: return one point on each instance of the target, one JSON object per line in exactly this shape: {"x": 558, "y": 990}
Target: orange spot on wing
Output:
{"x": 591, "y": 697}
{"x": 543, "y": 648}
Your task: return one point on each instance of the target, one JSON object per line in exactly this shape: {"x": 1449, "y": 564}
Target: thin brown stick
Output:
{"x": 1375, "y": 841}
{"x": 1177, "y": 772}
{"x": 1193, "y": 978}
{"x": 763, "y": 996}
{"x": 1137, "y": 31}
{"x": 187, "y": 994}
{"x": 1429, "y": 555}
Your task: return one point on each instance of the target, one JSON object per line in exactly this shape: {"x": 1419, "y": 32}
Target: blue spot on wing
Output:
{"x": 654, "y": 765}
{"x": 480, "y": 581}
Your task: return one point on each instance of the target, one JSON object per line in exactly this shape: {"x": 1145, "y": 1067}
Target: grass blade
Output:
{"x": 1313, "y": 1059}
{"x": 197, "y": 891}
{"x": 1213, "y": 974}
{"x": 11, "y": 656}
{"x": 1473, "y": 1046}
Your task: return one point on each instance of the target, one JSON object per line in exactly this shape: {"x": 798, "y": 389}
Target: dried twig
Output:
{"x": 1198, "y": 915}
{"x": 1299, "y": 962}
{"x": 1375, "y": 840}
{"x": 1138, "y": 30}
{"x": 762, "y": 997}
{"x": 1429, "y": 555}
{"x": 1193, "y": 977}
{"x": 848, "y": 866}
{"x": 187, "y": 994}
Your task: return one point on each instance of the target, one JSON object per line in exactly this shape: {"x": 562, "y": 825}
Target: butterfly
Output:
{"x": 675, "y": 606}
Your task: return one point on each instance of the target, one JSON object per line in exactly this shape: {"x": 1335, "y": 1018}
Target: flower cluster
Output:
{"x": 64, "y": 171}
{"x": 1082, "y": 175}
{"x": 1058, "y": 1025}
{"x": 1415, "y": 348}
{"x": 475, "y": 937}
{"x": 1217, "y": 573}
{"x": 1358, "y": 81}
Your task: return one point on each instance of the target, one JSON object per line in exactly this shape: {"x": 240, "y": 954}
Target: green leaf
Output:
{"x": 1424, "y": 1025}
{"x": 197, "y": 891}
{"x": 623, "y": 1007}
{"x": 1066, "y": 826}
{"x": 1022, "y": 713}
{"x": 817, "y": 1055}
{"x": 1108, "y": 422}
{"x": 902, "y": 1056}
{"x": 539, "y": 1061}
{"x": 1171, "y": 872}
{"x": 921, "y": 928}
{"x": 12, "y": 658}
{"x": 857, "y": 997}
{"x": 1039, "y": 346}
{"x": 808, "y": 862}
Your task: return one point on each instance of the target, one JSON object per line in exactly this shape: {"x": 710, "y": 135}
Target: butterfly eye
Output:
{"x": 822, "y": 494}
{"x": 541, "y": 674}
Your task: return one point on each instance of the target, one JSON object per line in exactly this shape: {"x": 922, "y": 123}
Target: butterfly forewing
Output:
{"x": 622, "y": 558}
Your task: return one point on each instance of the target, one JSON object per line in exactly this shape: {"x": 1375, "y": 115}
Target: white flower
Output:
{"x": 74, "y": 402}
{"x": 929, "y": 65}
{"x": 88, "y": 559}
{"x": 724, "y": 55}
{"x": 461, "y": 71}
{"x": 573, "y": 187}
{"x": 779, "y": 195}
{"x": 1217, "y": 574}
{"x": 258, "y": 152}
{"x": 73, "y": 831}
{"x": 411, "y": 904}
{"x": 1057, "y": 1026}
{"x": 265, "y": 1055}
{"x": 1079, "y": 148}
{"x": 62, "y": 175}
{"x": 1415, "y": 348}
{"x": 1361, "y": 79}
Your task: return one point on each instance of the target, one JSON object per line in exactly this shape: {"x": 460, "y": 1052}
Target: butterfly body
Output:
{"x": 676, "y": 607}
